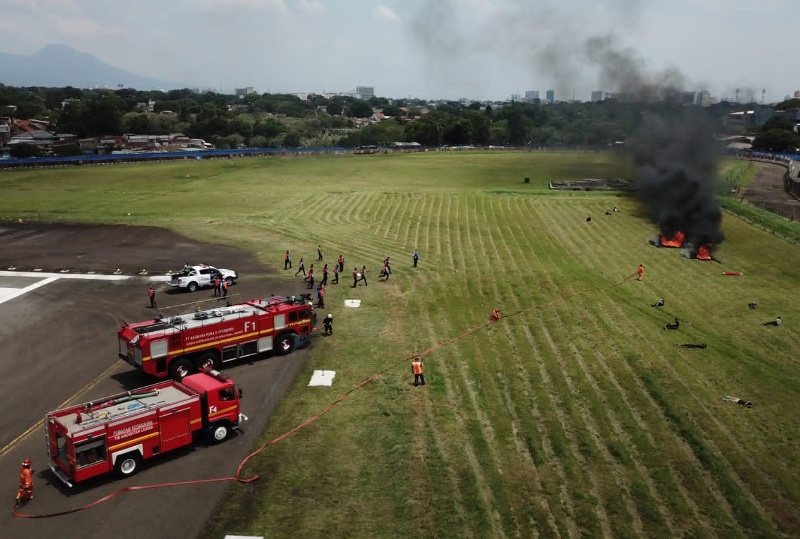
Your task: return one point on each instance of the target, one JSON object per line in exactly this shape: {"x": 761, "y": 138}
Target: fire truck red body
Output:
{"x": 118, "y": 432}
{"x": 177, "y": 346}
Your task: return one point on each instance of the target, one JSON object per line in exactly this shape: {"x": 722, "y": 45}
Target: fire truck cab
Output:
{"x": 120, "y": 431}
{"x": 179, "y": 345}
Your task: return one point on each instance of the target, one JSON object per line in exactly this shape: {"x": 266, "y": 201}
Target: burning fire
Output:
{"x": 704, "y": 252}
{"x": 676, "y": 240}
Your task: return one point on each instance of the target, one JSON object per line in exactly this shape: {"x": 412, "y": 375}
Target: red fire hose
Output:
{"x": 238, "y": 476}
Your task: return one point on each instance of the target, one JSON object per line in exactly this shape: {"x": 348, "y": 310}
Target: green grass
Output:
{"x": 579, "y": 416}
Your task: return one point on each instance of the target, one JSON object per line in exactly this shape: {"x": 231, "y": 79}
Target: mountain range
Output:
{"x": 59, "y": 66}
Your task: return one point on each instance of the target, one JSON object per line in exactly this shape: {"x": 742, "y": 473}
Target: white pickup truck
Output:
{"x": 201, "y": 276}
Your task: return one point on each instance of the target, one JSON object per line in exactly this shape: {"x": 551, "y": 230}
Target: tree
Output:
{"x": 458, "y": 132}
{"x": 777, "y": 140}
{"x": 291, "y": 140}
{"x": 334, "y": 108}
{"x": 359, "y": 109}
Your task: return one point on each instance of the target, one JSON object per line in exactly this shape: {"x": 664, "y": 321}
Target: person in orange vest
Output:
{"x": 495, "y": 316}
{"x": 355, "y": 277}
{"x": 340, "y": 261}
{"x": 640, "y": 272}
{"x": 224, "y": 288}
{"x": 324, "y": 275}
{"x": 310, "y": 277}
{"x": 321, "y": 296}
{"x": 25, "y": 492}
{"x": 335, "y": 274}
{"x": 217, "y": 288}
{"x": 416, "y": 369}
{"x": 151, "y": 293}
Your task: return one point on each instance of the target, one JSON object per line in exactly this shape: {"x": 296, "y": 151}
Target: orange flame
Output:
{"x": 676, "y": 240}
{"x": 703, "y": 253}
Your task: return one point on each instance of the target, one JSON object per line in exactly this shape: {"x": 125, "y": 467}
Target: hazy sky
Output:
{"x": 479, "y": 49}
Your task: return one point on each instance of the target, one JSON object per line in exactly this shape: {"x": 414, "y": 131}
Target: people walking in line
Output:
{"x": 356, "y": 277}
{"x": 324, "y": 274}
{"x": 301, "y": 267}
{"x": 364, "y": 275}
{"x": 25, "y": 492}
{"x": 217, "y": 283}
{"x": 319, "y": 252}
{"x": 416, "y": 258}
{"x": 387, "y": 264}
{"x": 335, "y": 274}
{"x": 340, "y": 261}
{"x": 384, "y": 272}
{"x": 151, "y": 293}
{"x": 287, "y": 261}
{"x": 327, "y": 324}
{"x": 416, "y": 370}
{"x": 310, "y": 278}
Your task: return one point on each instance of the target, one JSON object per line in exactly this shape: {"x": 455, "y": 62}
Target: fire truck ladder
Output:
{"x": 108, "y": 411}
{"x": 198, "y": 304}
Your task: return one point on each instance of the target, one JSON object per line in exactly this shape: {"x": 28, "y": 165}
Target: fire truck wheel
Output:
{"x": 218, "y": 433}
{"x": 180, "y": 368}
{"x": 127, "y": 464}
{"x": 285, "y": 343}
{"x": 207, "y": 360}
{"x": 192, "y": 287}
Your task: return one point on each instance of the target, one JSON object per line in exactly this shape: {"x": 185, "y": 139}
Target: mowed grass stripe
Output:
{"x": 708, "y": 459}
{"x": 552, "y": 455}
{"x": 635, "y": 443}
{"x": 528, "y": 440}
{"x": 589, "y": 508}
{"x": 519, "y": 491}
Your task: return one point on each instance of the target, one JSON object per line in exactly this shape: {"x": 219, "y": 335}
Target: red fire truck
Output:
{"x": 177, "y": 346}
{"x": 118, "y": 432}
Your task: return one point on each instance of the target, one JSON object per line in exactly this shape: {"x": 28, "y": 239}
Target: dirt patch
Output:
{"x": 106, "y": 249}
{"x": 767, "y": 192}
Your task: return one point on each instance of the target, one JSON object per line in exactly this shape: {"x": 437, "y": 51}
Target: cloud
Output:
{"x": 384, "y": 13}
{"x": 312, "y": 6}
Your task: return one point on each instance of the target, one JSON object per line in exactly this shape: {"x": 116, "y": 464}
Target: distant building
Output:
{"x": 531, "y": 96}
{"x": 550, "y": 96}
{"x": 241, "y": 92}
{"x": 797, "y": 94}
{"x": 516, "y": 97}
{"x": 365, "y": 92}
{"x": 597, "y": 95}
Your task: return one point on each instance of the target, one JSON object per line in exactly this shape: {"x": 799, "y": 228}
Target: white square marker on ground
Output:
{"x": 322, "y": 378}
{"x": 352, "y": 303}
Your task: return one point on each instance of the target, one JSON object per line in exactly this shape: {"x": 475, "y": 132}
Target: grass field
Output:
{"x": 580, "y": 416}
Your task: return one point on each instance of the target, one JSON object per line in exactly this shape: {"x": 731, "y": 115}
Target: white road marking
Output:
{"x": 7, "y": 294}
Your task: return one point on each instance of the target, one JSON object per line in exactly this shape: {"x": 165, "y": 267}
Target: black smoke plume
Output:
{"x": 676, "y": 162}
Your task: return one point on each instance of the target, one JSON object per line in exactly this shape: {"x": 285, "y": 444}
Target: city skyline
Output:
{"x": 483, "y": 50}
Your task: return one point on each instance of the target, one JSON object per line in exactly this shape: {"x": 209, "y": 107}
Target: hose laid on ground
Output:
{"x": 238, "y": 476}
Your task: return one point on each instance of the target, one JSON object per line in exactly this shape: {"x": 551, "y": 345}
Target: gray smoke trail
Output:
{"x": 676, "y": 159}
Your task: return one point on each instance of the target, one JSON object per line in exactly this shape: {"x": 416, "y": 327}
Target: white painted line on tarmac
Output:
{"x": 84, "y": 276}
{"x": 7, "y": 294}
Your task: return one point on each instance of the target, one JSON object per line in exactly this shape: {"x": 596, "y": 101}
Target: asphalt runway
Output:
{"x": 59, "y": 346}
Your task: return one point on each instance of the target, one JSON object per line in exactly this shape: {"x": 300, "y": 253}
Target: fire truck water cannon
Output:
{"x": 84, "y": 442}
{"x": 182, "y": 344}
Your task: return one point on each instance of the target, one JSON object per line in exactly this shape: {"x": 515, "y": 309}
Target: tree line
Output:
{"x": 285, "y": 120}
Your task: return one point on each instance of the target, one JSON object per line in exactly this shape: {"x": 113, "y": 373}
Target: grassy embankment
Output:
{"x": 581, "y": 416}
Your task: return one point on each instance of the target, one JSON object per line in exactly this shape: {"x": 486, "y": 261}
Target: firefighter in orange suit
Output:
{"x": 640, "y": 272}
{"x": 151, "y": 293}
{"x": 25, "y": 492}
{"x": 495, "y": 315}
{"x": 416, "y": 369}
